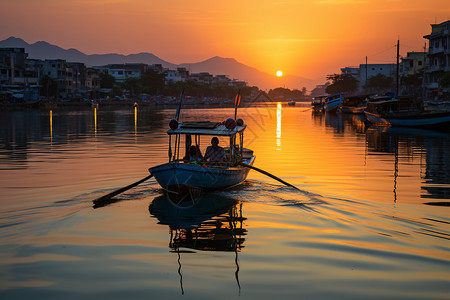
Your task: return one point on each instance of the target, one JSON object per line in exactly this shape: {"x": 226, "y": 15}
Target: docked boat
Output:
{"x": 393, "y": 112}
{"x": 183, "y": 173}
{"x": 318, "y": 104}
{"x": 332, "y": 103}
{"x": 291, "y": 103}
{"x": 354, "y": 104}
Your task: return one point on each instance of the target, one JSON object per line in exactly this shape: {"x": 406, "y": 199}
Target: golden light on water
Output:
{"x": 135, "y": 120}
{"x": 51, "y": 125}
{"x": 95, "y": 120}
{"x": 278, "y": 126}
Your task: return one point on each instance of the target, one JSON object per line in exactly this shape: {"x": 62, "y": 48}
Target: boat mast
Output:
{"x": 397, "y": 81}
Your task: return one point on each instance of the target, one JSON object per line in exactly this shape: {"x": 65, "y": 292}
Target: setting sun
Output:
{"x": 279, "y": 73}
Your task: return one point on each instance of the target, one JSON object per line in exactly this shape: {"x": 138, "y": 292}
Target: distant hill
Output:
{"x": 215, "y": 65}
{"x": 236, "y": 70}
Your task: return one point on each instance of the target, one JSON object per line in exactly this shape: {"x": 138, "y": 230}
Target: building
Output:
{"x": 222, "y": 80}
{"x": 353, "y": 71}
{"x": 12, "y": 65}
{"x": 203, "y": 77}
{"x": 122, "y": 72}
{"x": 413, "y": 63}
{"x": 180, "y": 74}
{"x": 438, "y": 58}
{"x": 319, "y": 90}
{"x": 366, "y": 71}
{"x": 238, "y": 83}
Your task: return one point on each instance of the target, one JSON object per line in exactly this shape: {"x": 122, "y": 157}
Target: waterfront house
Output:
{"x": 438, "y": 58}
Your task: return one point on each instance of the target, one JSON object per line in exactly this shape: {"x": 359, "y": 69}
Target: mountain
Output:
{"x": 215, "y": 65}
{"x": 236, "y": 70}
{"x": 44, "y": 50}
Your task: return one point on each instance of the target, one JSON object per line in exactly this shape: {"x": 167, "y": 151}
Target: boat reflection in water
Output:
{"x": 210, "y": 222}
{"x": 408, "y": 144}
{"x": 341, "y": 123}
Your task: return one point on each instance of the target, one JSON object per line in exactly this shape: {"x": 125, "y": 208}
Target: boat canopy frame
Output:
{"x": 207, "y": 128}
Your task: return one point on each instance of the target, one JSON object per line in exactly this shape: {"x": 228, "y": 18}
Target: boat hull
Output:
{"x": 332, "y": 105}
{"x": 410, "y": 120}
{"x": 181, "y": 177}
{"x": 356, "y": 110}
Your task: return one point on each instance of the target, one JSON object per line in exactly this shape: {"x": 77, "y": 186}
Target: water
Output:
{"x": 371, "y": 220}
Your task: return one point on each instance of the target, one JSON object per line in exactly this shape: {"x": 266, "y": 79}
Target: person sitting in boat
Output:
{"x": 194, "y": 154}
{"x": 214, "y": 153}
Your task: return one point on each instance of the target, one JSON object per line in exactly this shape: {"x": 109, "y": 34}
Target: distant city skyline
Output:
{"x": 302, "y": 38}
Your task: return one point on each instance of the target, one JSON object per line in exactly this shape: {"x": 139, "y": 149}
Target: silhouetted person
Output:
{"x": 194, "y": 154}
{"x": 215, "y": 153}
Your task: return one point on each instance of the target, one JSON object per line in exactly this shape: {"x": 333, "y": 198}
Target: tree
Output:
{"x": 287, "y": 93}
{"x": 280, "y": 92}
{"x": 153, "y": 82}
{"x": 379, "y": 83}
{"x": 107, "y": 81}
{"x": 133, "y": 85}
{"x": 341, "y": 83}
{"x": 412, "y": 84}
{"x": 49, "y": 86}
{"x": 445, "y": 80}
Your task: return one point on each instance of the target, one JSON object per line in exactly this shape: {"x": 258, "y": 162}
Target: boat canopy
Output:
{"x": 205, "y": 128}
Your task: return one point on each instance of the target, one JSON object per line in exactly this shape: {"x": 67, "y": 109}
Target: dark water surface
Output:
{"x": 372, "y": 220}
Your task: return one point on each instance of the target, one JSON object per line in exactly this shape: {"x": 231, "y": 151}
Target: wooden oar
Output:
{"x": 268, "y": 174}
{"x": 307, "y": 109}
{"x": 107, "y": 197}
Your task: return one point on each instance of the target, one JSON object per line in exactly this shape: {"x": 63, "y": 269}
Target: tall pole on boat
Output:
{"x": 398, "y": 72}
{"x": 424, "y": 64}
{"x": 237, "y": 101}
{"x": 177, "y": 114}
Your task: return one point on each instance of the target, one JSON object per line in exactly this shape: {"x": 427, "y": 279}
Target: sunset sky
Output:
{"x": 310, "y": 38}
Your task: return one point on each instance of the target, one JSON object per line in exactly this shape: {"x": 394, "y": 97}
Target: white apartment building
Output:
{"x": 366, "y": 71}
{"x": 438, "y": 58}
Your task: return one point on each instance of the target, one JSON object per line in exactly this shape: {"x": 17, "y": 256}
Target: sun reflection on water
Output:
{"x": 95, "y": 121}
{"x": 51, "y": 126}
{"x": 278, "y": 140}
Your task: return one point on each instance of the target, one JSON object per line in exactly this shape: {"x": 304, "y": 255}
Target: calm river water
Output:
{"x": 372, "y": 219}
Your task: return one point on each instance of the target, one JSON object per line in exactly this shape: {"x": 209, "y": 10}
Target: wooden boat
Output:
{"x": 393, "y": 112}
{"x": 354, "y": 104}
{"x": 332, "y": 103}
{"x": 318, "y": 104}
{"x": 182, "y": 175}
{"x": 291, "y": 103}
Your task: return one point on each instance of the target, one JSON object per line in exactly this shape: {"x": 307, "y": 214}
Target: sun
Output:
{"x": 279, "y": 73}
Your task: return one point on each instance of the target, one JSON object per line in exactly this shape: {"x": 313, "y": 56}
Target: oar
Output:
{"x": 268, "y": 174}
{"x": 307, "y": 109}
{"x": 107, "y": 197}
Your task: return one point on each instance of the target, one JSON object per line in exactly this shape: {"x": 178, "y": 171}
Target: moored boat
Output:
{"x": 332, "y": 103}
{"x": 318, "y": 103}
{"x": 354, "y": 104}
{"x": 393, "y": 112}
{"x": 182, "y": 174}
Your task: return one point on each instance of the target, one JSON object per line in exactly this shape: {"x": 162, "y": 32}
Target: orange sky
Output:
{"x": 310, "y": 38}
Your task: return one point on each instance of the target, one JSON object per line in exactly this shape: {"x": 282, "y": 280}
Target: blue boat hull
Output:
{"x": 411, "y": 120}
{"x": 333, "y": 105}
{"x": 175, "y": 176}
